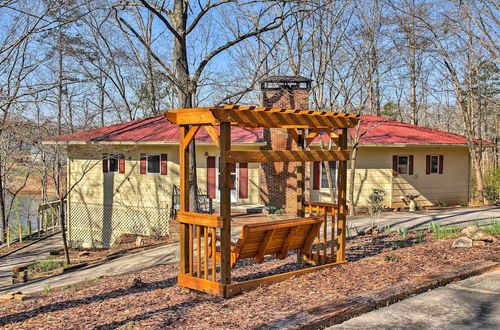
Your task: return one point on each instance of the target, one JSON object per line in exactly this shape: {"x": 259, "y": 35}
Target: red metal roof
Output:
{"x": 159, "y": 129}
{"x": 385, "y": 131}
{"x": 153, "y": 129}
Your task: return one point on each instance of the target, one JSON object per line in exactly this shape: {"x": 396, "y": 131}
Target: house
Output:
{"x": 122, "y": 176}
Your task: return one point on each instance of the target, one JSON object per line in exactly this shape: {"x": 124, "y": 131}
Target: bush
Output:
{"x": 376, "y": 204}
{"x": 46, "y": 265}
{"x": 463, "y": 203}
{"x": 403, "y": 232}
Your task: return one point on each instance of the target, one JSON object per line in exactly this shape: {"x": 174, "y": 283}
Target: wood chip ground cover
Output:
{"x": 157, "y": 302}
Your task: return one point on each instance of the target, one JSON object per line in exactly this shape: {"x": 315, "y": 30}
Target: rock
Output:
{"x": 84, "y": 254}
{"x": 463, "y": 242}
{"x": 477, "y": 234}
{"x": 137, "y": 283}
{"x": 139, "y": 241}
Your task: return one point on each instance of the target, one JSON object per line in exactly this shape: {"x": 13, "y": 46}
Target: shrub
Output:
{"x": 376, "y": 204}
{"x": 463, "y": 203}
{"x": 439, "y": 203}
{"x": 403, "y": 232}
{"x": 387, "y": 229}
{"x": 419, "y": 235}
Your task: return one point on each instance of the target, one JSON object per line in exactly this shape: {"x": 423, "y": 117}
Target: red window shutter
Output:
{"x": 410, "y": 166}
{"x": 143, "y": 164}
{"x": 121, "y": 163}
{"x": 211, "y": 176}
{"x": 163, "y": 164}
{"x": 441, "y": 158}
{"x": 243, "y": 173}
{"x": 316, "y": 175}
{"x": 105, "y": 163}
{"x": 428, "y": 164}
{"x": 394, "y": 165}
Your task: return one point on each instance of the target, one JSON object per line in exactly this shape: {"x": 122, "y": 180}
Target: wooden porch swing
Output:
{"x": 207, "y": 253}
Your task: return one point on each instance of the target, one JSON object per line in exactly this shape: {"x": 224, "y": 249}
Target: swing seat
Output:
{"x": 274, "y": 238}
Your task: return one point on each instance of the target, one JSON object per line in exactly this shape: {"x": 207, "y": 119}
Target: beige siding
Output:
{"x": 373, "y": 170}
{"x": 451, "y": 187}
{"x": 133, "y": 188}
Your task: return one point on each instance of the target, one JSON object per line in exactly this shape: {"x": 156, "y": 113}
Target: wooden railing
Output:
{"x": 48, "y": 214}
{"x": 329, "y": 243}
{"x": 202, "y": 255}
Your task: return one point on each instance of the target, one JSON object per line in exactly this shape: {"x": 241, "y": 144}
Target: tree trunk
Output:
{"x": 62, "y": 219}
{"x": 5, "y": 222}
{"x": 352, "y": 177}
{"x": 186, "y": 91}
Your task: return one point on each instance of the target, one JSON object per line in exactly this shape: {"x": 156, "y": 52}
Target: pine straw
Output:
{"x": 158, "y": 302}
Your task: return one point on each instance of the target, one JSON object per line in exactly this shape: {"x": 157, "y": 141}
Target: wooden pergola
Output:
{"x": 206, "y": 262}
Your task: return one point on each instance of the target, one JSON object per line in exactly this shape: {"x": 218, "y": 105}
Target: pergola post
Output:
{"x": 225, "y": 203}
{"x": 342, "y": 200}
{"x": 184, "y": 199}
{"x": 301, "y": 174}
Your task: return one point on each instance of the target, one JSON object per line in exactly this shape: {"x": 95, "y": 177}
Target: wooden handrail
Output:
{"x": 199, "y": 219}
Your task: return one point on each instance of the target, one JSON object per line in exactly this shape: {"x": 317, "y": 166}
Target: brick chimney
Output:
{"x": 278, "y": 181}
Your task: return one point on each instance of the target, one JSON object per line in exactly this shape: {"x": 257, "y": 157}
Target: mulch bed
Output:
{"x": 126, "y": 245}
{"x": 155, "y": 301}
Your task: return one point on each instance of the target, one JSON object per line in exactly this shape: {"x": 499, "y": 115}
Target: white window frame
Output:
{"x": 407, "y": 165}
{"x": 159, "y": 164}
{"x": 430, "y": 164}
{"x": 108, "y": 159}
{"x": 334, "y": 177}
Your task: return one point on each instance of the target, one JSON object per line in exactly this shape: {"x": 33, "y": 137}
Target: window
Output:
{"x": 403, "y": 163}
{"x": 114, "y": 163}
{"x": 153, "y": 163}
{"x": 434, "y": 168}
{"x": 324, "y": 177}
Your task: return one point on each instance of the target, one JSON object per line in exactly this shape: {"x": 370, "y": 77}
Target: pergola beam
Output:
{"x": 262, "y": 117}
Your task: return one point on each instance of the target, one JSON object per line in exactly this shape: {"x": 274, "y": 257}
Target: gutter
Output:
{"x": 137, "y": 143}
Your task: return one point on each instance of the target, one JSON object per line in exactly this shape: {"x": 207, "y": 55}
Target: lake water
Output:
{"x": 24, "y": 210}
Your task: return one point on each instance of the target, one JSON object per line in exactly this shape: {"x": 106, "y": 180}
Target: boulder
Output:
{"x": 139, "y": 241}
{"x": 477, "y": 234}
{"x": 463, "y": 242}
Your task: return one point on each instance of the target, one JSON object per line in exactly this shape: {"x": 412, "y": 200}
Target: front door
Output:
{"x": 234, "y": 180}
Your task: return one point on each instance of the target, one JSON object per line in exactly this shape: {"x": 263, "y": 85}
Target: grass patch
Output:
{"x": 441, "y": 232}
{"x": 46, "y": 265}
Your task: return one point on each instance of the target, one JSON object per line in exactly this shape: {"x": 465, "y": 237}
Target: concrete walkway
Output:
{"x": 136, "y": 261}
{"x": 460, "y": 217}
{"x": 26, "y": 255}
{"x": 470, "y": 304}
